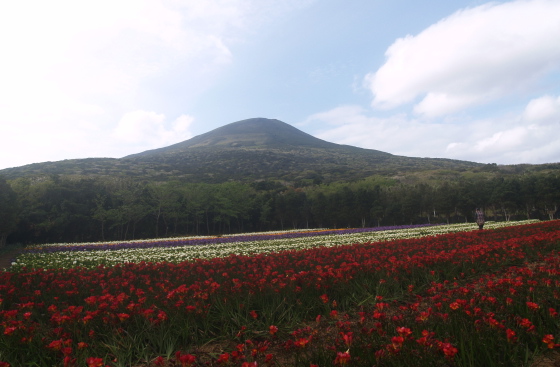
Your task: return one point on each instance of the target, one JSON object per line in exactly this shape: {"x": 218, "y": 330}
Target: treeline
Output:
{"x": 62, "y": 209}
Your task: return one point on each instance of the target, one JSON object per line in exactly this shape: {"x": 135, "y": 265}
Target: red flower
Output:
{"x": 59, "y": 344}
{"x": 347, "y": 338}
{"x": 68, "y": 361}
{"x": 510, "y": 334}
{"x": 549, "y": 340}
{"x": 9, "y": 330}
{"x": 273, "y": 330}
{"x": 302, "y": 342}
{"x": 404, "y": 332}
{"x": 253, "y": 314}
{"x": 186, "y": 360}
{"x": 162, "y": 316}
{"x": 454, "y": 306}
{"x": 423, "y": 316}
{"x": 342, "y": 358}
{"x": 449, "y": 350}
{"x": 94, "y": 362}
{"x": 190, "y": 308}
{"x": 397, "y": 342}
{"x": 223, "y": 358}
{"x": 123, "y": 316}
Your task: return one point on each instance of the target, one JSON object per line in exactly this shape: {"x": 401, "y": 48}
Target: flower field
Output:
{"x": 177, "y": 250}
{"x": 423, "y": 296}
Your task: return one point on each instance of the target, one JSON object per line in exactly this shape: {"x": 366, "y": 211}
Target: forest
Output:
{"x": 52, "y": 209}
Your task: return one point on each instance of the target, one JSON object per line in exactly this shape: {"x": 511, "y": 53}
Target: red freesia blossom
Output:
{"x": 510, "y": 334}
{"x": 10, "y": 330}
{"x": 123, "y": 316}
{"x": 94, "y": 362}
{"x": 549, "y": 340}
{"x": 454, "y": 305}
{"x": 449, "y": 350}
{"x": 397, "y": 342}
{"x": 186, "y": 360}
{"x": 342, "y": 358}
{"x": 159, "y": 361}
{"x": 302, "y": 342}
{"x": 347, "y": 338}
{"x": 404, "y": 332}
{"x": 223, "y": 358}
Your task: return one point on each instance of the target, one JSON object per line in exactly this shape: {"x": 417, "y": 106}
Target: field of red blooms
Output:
{"x": 480, "y": 298}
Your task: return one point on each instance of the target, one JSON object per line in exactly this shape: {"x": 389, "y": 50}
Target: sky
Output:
{"x": 469, "y": 80}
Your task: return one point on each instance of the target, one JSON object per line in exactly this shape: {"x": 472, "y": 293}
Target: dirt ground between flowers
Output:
{"x": 7, "y": 254}
{"x": 551, "y": 359}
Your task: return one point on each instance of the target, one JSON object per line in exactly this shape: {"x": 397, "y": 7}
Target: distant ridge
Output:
{"x": 248, "y": 150}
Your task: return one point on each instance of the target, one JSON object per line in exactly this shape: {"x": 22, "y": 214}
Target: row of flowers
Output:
{"x": 208, "y": 248}
{"x": 207, "y": 240}
{"x": 423, "y": 301}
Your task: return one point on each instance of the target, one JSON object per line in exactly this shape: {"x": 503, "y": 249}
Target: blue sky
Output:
{"x": 469, "y": 80}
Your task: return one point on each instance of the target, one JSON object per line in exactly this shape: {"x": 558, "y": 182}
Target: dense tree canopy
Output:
{"x": 66, "y": 209}
{"x": 9, "y": 211}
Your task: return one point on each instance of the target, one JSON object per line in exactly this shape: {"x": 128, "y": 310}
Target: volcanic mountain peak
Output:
{"x": 250, "y": 133}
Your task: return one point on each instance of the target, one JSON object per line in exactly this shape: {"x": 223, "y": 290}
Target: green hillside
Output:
{"x": 247, "y": 151}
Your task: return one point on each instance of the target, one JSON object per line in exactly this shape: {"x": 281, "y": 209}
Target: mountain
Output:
{"x": 247, "y": 150}
{"x": 251, "y": 133}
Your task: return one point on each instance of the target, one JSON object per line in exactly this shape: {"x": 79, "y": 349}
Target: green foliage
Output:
{"x": 64, "y": 209}
{"x": 9, "y": 211}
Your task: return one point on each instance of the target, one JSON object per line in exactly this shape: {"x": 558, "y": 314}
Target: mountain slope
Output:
{"x": 251, "y": 133}
{"x": 247, "y": 150}
{"x": 261, "y": 148}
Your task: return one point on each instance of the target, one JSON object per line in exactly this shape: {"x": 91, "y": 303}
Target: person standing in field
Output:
{"x": 479, "y": 217}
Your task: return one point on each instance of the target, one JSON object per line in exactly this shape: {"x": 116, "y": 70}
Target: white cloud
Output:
{"x": 528, "y": 137}
{"x": 545, "y": 109}
{"x": 469, "y": 58}
{"x": 397, "y": 134}
{"x": 148, "y": 129}
{"x": 71, "y": 70}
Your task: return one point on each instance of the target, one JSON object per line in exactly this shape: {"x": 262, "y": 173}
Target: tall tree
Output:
{"x": 9, "y": 211}
{"x": 446, "y": 199}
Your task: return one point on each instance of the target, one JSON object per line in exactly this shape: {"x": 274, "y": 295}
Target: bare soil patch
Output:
{"x": 7, "y": 255}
